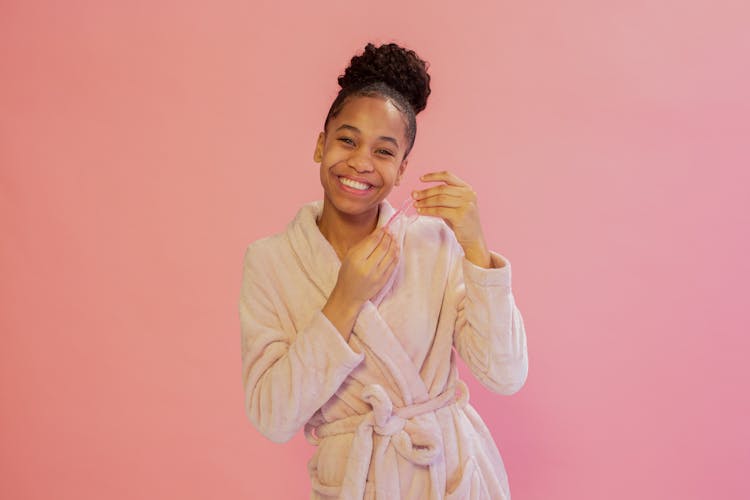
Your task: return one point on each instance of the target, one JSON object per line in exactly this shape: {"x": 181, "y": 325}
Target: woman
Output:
{"x": 348, "y": 326}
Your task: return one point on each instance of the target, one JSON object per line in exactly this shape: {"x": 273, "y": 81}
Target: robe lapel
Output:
{"x": 372, "y": 329}
{"x": 319, "y": 261}
{"x": 315, "y": 255}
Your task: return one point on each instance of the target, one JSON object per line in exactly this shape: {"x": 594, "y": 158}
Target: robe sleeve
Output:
{"x": 489, "y": 334}
{"x": 287, "y": 375}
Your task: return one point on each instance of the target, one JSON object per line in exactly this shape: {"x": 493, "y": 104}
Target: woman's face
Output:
{"x": 361, "y": 154}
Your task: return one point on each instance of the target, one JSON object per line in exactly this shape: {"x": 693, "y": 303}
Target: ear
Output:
{"x": 318, "y": 154}
{"x": 401, "y": 170}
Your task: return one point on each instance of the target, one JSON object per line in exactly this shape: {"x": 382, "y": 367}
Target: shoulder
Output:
{"x": 271, "y": 247}
{"x": 432, "y": 234}
{"x": 260, "y": 269}
{"x": 265, "y": 245}
{"x": 431, "y": 245}
{"x": 262, "y": 253}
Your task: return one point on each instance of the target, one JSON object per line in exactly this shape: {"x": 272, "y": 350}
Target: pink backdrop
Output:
{"x": 144, "y": 144}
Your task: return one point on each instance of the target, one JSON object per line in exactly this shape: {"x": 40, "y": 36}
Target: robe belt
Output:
{"x": 413, "y": 438}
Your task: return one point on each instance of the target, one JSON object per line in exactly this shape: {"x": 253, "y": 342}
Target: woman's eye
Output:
{"x": 386, "y": 152}
{"x": 346, "y": 140}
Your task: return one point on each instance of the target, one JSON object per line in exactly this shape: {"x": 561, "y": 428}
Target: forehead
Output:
{"x": 375, "y": 116}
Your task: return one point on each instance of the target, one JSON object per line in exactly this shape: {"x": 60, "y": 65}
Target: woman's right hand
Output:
{"x": 364, "y": 271}
{"x": 367, "y": 266}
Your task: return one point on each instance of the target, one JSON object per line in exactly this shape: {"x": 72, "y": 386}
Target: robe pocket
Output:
{"x": 331, "y": 457}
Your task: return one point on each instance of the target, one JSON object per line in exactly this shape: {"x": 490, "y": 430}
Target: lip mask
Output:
{"x": 401, "y": 219}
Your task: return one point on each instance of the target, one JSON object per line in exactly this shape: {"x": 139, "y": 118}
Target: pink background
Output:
{"x": 144, "y": 144}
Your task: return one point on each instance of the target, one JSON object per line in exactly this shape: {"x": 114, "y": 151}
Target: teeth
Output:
{"x": 354, "y": 184}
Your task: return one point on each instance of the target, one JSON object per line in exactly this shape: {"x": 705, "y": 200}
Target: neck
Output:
{"x": 343, "y": 231}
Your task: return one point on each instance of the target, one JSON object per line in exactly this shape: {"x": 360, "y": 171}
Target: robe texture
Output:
{"x": 386, "y": 409}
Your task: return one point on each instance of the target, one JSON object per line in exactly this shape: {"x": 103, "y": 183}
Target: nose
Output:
{"x": 360, "y": 160}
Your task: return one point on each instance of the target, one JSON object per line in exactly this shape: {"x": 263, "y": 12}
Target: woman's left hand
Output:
{"x": 456, "y": 203}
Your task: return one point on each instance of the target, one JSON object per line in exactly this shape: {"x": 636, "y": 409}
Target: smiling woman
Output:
{"x": 360, "y": 162}
{"x": 349, "y": 325}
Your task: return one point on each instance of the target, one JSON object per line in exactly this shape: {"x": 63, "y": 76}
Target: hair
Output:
{"x": 391, "y": 72}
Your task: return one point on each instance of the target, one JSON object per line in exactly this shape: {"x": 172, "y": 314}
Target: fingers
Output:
{"x": 465, "y": 201}
{"x": 369, "y": 264}
{"x": 442, "y": 212}
{"x": 391, "y": 255}
{"x": 382, "y": 261}
{"x": 443, "y": 189}
{"x": 388, "y": 265}
{"x": 454, "y": 193}
{"x": 444, "y": 176}
{"x": 441, "y": 200}
{"x": 368, "y": 245}
{"x": 455, "y": 201}
{"x": 382, "y": 247}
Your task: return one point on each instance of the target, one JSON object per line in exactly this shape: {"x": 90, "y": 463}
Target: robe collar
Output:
{"x": 316, "y": 255}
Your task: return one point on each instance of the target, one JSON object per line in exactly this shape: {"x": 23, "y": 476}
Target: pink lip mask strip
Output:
{"x": 403, "y": 210}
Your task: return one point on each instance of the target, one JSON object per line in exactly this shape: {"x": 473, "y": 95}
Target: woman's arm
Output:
{"x": 287, "y": 376}
{"x": 364, "y": 270}
{"x": 489, "y": 334}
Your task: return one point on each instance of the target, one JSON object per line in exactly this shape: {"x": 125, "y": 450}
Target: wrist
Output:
{"x": 342, "y": 311}
{"x": 478, "y": 254}
{"x": 344, "y": 302}
{"x": 479, "y": 258}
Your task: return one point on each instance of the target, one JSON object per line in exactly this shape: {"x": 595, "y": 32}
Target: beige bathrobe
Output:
{"x": 387, "y": 411}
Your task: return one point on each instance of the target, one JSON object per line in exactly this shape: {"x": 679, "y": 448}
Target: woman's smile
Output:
{"x": 356, "y": 187}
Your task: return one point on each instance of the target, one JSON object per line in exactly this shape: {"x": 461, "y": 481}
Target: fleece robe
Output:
{"x": 387, "y": 411}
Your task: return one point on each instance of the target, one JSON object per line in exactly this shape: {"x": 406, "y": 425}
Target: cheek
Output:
{"x": 333, "y": 156}
{"x": 392, "y": 172}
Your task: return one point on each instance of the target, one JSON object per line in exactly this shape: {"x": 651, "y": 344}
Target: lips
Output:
{"x": 355, "y": 184}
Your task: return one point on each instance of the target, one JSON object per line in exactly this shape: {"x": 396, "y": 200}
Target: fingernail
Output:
{"x": 414, "y": 194}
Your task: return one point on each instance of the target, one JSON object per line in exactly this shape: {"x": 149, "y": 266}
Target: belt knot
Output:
{"x": 414, "y": 434}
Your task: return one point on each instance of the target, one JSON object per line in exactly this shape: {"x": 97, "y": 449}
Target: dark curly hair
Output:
{"x": 391, "y": 72}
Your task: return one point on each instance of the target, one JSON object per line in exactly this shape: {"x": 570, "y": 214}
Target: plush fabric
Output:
{"x": 386, "y": 409}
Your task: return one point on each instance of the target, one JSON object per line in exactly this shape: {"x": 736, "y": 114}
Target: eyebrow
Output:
{"x": 355, "y": 129}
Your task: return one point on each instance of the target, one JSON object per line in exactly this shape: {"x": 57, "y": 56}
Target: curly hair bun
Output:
{"x": 399, "y": 68}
